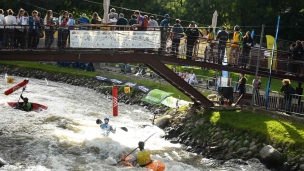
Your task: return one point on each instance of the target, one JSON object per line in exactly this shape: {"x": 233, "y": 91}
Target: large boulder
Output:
{"x": 163, "y": 122}
{"x": 271, "y": 156}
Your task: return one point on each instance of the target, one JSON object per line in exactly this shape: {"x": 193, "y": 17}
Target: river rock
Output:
{"x": 245, "y": 142}
{"x": 214, "y": 149}
{"x": 231, "y": 143}
{"x": 271, "y": 156}
{"x": 253, "y": 148}
{"x": 241, "y": 150}
{"x": 226, "y": 142}
{"x": 252, "y": 143}
{"x": 200, "y": 122}
{"x": 2, "y": 162}
{"x": 301, "y": 167}
{"x": 163, "y": 122}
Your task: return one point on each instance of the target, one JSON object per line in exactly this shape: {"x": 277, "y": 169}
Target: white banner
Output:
{"x": 114, "y": 39}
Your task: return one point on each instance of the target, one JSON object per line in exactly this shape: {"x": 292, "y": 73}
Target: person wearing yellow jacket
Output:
{"x": 235, "y": 46}
{"x": 143, "y": 157}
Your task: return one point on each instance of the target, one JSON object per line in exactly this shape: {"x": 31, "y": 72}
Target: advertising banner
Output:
{"x": 156, "y": 96}
{"x": 114, "y": 39}
{"x": 142, "y": 88}
{"x": 173, "y": 102}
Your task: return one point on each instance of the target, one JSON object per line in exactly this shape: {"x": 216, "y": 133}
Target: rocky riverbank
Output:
{"x": 185, "y": 127}
{"x": 212, "y": 141}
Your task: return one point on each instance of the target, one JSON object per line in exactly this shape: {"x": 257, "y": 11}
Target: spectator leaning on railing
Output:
{"x": 34, "y": 23}
{"x": 10, "y": 20}
{"x": 176, "y": 35}
{"x": 287, "y": 91}
{"x": 20, "y": 31}
{"x": 2, "y": 23}
{"x": 49, "y": 29}
{"x": 122, "y": 21}
{"x": 192, "y": 34}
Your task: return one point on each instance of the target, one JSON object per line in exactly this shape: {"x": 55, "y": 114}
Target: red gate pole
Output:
{"x": 115, "y": 100}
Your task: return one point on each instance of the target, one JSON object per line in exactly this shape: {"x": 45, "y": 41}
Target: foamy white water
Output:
{"x": 66, "y": 137}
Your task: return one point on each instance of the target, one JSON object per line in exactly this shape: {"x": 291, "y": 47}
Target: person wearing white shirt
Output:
{"x": 192, "y": 78}
{"x": 9, "y": 29}
{"x": 2, "y": 23}
{"x": 20, "y": 32}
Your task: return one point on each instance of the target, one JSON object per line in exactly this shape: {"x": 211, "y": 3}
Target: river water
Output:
{"x": 66, "y": 137}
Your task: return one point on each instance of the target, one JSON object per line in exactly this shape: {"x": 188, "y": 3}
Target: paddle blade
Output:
{"x": 124, "y": 128}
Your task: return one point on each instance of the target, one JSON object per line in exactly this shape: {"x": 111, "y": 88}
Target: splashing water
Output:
{"x": 66, "y": 137}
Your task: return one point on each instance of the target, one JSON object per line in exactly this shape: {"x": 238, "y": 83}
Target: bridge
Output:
{"x": 155, "y": 61}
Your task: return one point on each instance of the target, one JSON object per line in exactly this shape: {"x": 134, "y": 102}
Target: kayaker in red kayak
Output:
{"x": 143, "y": 157}
{"x": 106, "y": 127}
{"x": 26, "y": 106}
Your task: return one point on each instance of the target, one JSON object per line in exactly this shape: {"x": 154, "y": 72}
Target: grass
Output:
{"x": 281, "y": 132}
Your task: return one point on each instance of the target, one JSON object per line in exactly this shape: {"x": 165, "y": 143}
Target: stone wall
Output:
{"x": 224, "y": 143}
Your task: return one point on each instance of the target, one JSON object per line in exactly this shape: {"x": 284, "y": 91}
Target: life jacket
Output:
{"x": 27, "y": 106}
{"x": 236, "y": 39}
{"x": 143, "y": 158}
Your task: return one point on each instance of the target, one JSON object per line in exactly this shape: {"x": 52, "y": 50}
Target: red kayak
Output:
{"x": 35, "y": 106}
{"x": 154, "y": 165}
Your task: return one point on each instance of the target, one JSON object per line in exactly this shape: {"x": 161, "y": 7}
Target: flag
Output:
{"x": 270, "y": 45}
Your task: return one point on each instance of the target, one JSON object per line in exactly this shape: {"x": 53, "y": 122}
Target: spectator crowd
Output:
{"x": 23, "y": 31}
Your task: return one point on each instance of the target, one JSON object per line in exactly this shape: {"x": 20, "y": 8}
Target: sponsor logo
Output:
{"x": 130, "y": 84}
{"x": 116, "y": 81}
{"x": 16, "y": 87}
{"x": 143, "y": 88}
{"x": 100, "y": 78}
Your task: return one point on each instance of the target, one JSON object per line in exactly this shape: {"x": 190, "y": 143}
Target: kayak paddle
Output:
{"x": 21, "y": 94}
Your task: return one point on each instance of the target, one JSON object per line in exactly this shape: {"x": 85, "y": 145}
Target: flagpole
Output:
{"x": 271, "y": 63}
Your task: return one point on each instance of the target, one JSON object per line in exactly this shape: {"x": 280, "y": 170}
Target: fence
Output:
{"x": 289, "y": 104}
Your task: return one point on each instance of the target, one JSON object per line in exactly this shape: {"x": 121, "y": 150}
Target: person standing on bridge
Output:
{"x": 192, "y": 37}
{"x": 222, "y": 37}
{"x": 235, "y": 46}
{"x": 140, "y": 21}
{"x": 63, "y": 30}
{"x": 176, "y": 35}
{"x": 33, "y": 31}
{"x": 2, "y": 23}
{"x": 49, "y": 30}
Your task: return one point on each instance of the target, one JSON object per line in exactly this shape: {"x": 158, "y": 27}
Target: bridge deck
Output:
{"x": 153, "y": 61}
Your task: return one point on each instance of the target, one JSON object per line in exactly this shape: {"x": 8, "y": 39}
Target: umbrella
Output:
{"x": 106, "y": 5}
{"x": 214, "y": 20}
